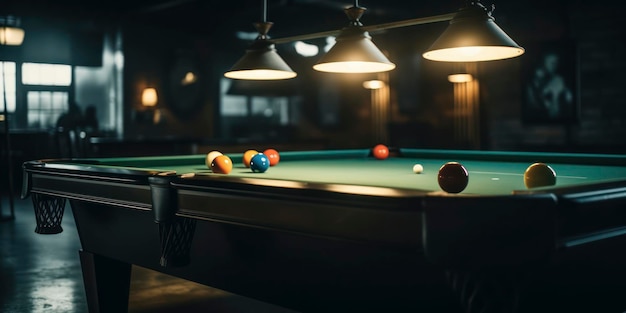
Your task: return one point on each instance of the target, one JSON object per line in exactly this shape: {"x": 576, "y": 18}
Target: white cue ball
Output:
{"x": 210, "y": 156}
{"x": 418, "y": 168}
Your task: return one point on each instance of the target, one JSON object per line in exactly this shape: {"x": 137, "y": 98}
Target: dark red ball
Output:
{"x": 380, "y": 152}
{"x": 453, "y": 177}
{"x": 272, "y": 156}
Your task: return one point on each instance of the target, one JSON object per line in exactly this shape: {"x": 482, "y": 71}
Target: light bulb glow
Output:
{"x": 260, "y": 74}
{"x": 189, "y": 79}
{"x": 460, "y": 78}
{"x": 354, "y": 67}
{"x": 473, "y": 54}
{"x": 11, "y": 36}
{"x": 149, "y": 97}
{"x": 373, "y": 84}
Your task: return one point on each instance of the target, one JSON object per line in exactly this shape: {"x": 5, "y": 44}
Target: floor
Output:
{"x": 41, "y": 273}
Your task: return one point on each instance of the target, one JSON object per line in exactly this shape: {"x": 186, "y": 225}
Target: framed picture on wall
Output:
{"x": 550, "y": 83}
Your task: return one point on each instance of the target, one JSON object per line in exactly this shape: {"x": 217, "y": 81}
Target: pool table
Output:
{"x": 342, "y": 231}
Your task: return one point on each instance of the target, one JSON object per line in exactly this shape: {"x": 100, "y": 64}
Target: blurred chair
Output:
{"x": 66, "y": 143}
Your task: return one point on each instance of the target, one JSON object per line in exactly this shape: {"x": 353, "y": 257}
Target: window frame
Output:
{"x": 19, "y": 118}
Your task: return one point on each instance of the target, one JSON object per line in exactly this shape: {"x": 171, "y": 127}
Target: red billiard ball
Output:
{"x": 380, "y": 152}
{"x": 247, "y": 156}
{"x": 272, "y": 155}
{"x": 539, "y": 175}
{"x": 222, "y": 164}
{"x": 453, "y": 177}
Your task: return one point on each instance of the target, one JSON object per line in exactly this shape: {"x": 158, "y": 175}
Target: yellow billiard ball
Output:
{"x": 210, "y": 156}
{"x": 539, "y": 175}
{"x": 247, "y": 156}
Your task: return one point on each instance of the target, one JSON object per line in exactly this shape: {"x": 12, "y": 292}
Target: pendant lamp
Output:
{"x": 473, "y": 36}
{"x": 261, "y": 61}
{"x": 354, "y": 51}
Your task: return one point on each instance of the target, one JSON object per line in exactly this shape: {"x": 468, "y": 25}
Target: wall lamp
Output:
{"x": 10, "y": 32}
{"x": 471, "y": 36}
{"x": 148, "y": 110}
{"x": 149, "y": 97}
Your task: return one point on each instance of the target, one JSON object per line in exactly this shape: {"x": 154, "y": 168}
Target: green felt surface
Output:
{"x": 489, "y": 172}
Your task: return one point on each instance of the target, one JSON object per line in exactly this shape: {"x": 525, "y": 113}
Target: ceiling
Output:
{"x": 221, "y": 19}
{"x": 208, "y": 16}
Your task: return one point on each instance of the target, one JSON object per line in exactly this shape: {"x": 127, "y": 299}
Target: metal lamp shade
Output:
{"x": 473, "y": 36}
{"x": 354, "y": 52}
{"x": 261, "y": 62}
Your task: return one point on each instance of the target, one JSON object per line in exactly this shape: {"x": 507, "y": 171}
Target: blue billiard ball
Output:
{"x": 259, "y": 163}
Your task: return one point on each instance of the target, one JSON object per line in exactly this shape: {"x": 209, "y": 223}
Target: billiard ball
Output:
{"x": 222, "y": 164}
{"x": 247, "y": 156}
{"x": 418, "y": 168}
{"x": 539, "y": 175}
{"x": 453, "y": 177}
{"x": 380, "y": 151}
{"x": 272, "y": 155}
{"x": 259, "y": 163}
{"x": 210, "y": 156}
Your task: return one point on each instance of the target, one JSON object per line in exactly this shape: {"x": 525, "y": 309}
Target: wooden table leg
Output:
{"x": 107, "y": 283}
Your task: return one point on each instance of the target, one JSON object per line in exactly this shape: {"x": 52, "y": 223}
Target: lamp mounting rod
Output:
{"x": 264, "y": 11}
{"x": 372, "y": 28}
{"x": 411, "y": 22}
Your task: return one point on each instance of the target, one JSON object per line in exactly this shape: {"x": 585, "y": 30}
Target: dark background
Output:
{"x": 333, "y": 110}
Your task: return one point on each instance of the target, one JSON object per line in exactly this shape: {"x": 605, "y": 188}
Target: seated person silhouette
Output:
{"x": 70, "y": 120}
{"x": 66, "y": 131}
{"x": 90, "y": 121}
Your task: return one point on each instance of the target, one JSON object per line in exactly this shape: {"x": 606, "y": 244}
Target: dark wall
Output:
{"x": 50, "y": 40}
{"x": 421, "y": 97}
{"x": 159, "y": 58}
{"x": 597, "y": 44}
{"x": 588, "y": 33}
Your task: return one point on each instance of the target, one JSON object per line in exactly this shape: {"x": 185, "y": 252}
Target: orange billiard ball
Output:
{"x": 222, "y": 164}
{"x": 453, "y": 177}
{"x": 539, "y": 175}
{"x": 247, "y": 156}
{"x": 272, "y": 155}
{"x": 380, "y": 152}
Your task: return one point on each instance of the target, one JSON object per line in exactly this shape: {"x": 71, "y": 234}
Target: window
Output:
{"x": 250, "y": 114}
{"x": 45, "y": 108}
{"x": 232, "y": 105}
{"x": 274, "y": 107}
{"x": 46, "y": 74}
{"x": 8, "y": 81}
{"x": 48, "y": 95}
